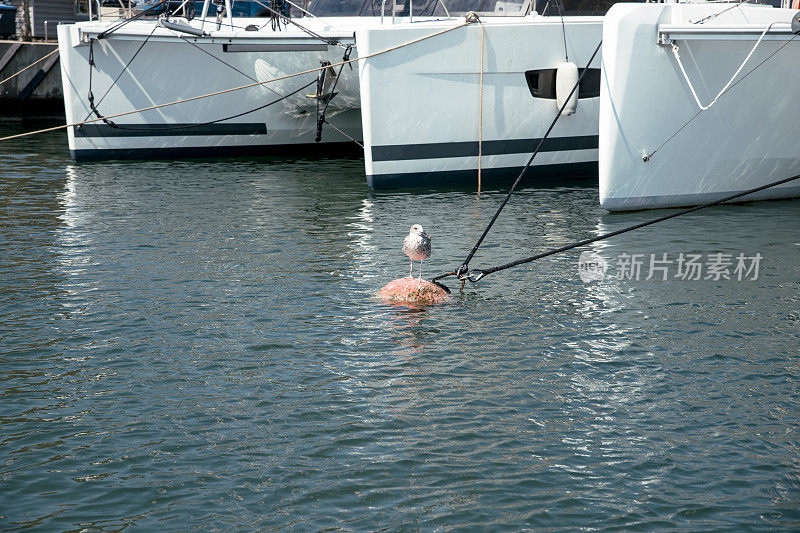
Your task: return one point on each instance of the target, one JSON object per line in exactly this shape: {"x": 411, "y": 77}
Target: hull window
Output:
{"x": 542, "y": 83}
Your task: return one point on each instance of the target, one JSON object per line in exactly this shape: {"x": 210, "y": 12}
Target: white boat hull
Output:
{"x": 144, "y": 65}
{"x": 746, "y": 139}
{"x": 421, "y": 104}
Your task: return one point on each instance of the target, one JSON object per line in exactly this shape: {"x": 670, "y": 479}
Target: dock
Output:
{"x": 34, "y": 93}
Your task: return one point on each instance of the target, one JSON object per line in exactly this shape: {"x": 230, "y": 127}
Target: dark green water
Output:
{"x": 196, "y": 346}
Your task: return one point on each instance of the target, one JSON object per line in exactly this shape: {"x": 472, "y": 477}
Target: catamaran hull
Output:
{"x": 657, "y": 147}
{"x": 421, "y": 104}
{"x": 147, "y": 65}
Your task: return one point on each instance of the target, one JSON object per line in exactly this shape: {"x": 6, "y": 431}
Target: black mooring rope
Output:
{"x": 464, "y": 268}
{"x": 92, "y": 105}
{"x": 478, "y": 274}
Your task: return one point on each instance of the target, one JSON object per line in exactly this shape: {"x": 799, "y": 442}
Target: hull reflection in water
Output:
{"x": 195, "y": 343}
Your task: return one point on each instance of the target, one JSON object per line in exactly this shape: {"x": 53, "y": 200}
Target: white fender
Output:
{"x": 566, "y": 78}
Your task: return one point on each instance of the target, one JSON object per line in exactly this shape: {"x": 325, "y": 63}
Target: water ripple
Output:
{"x": 197, "y": 345}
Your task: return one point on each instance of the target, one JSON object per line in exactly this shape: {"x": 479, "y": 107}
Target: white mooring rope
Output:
{"x": 473, "y": 18}
{"x": 727, "y": 85}
{"x": 29, "y": 66}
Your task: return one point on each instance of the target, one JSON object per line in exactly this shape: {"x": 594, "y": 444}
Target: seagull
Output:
{"x": 417, "y": 246}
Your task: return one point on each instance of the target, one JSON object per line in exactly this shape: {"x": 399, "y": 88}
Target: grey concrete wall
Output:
{"x": 46, "y": 99}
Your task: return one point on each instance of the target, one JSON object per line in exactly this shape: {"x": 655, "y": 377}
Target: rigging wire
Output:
{"x": 715, "y": 15}
{"x": 364, "y": 4}
{"x": 328, "y": 41}
{"x": 563, "y": 28}
{"x": 106, "y": 33}
{"x": 310, "y": 14}
{"x": 113, "y": 83}
{"x": 187, "y": 41}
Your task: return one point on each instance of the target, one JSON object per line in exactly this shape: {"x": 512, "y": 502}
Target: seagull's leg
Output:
{"x": 420, "y": 272}
{"x": 411, "y": 272}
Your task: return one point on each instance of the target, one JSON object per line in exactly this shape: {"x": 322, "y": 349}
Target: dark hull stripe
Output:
{"x": 537, "y": 175}
{"x": 405, "y": 152}
{"x": 169, "y": 130}
{"x": 338, "y": 150}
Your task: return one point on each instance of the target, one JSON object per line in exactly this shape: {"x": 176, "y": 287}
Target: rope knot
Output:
{"x": 472, "y": 17}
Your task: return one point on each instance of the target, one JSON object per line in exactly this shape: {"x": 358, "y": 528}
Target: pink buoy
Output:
{"x": 412, "y": 290}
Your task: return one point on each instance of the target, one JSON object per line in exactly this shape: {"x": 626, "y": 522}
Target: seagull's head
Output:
{"x": 416, "y": 229}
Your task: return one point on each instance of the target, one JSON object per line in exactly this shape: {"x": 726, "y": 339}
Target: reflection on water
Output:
{"x": 198, "y": 343}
